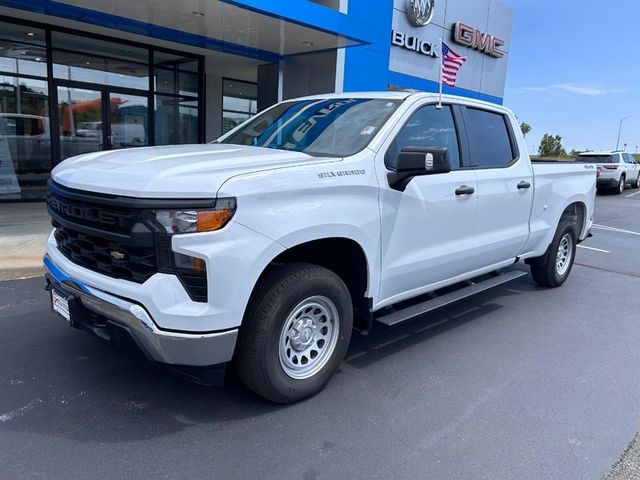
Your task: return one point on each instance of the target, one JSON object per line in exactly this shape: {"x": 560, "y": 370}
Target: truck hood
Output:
{"x": 182, "y": 171}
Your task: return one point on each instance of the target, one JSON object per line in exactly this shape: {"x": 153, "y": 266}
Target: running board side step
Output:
{"x": 414, "y": 311}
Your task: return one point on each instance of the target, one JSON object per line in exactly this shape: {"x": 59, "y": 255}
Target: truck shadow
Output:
{"x": 77, "y": 387}
{"x": 383, "y": 342}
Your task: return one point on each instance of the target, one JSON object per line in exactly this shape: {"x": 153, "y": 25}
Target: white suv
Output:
{"x": 615, "y": 169}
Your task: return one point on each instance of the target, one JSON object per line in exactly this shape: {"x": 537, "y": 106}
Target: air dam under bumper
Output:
{"x": 201, "y": 357}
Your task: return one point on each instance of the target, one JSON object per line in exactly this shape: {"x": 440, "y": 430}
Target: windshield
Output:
{"x": 597, "y": 159}
{"x": 338, "y": 127}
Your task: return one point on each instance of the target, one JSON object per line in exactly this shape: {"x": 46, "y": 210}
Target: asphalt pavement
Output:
{"x": 519, "y": 382}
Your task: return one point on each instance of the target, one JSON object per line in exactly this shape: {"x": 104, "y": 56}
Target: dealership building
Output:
{"x": 78, "y": 76}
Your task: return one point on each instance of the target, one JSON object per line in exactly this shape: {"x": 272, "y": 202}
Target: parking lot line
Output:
{"x": 594, "y": 249}
{"x": 614, "y": 229}
{"x": 632, "y": 194}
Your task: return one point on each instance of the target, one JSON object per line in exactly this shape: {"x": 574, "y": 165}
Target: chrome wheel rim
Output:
{"x": 308, "y": 337}
{"x": 563, "y": 256}
{"x": 621, "y": 184}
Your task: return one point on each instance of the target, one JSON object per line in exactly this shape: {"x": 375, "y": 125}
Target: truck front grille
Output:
{"x": 110, "y": 258}
{"x": 117, "y": 237}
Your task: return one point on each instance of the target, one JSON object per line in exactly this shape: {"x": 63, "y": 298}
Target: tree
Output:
{"x": 525, "y": 128}
{"x": 551, "y": 146}
{"x": 574, "y": 153}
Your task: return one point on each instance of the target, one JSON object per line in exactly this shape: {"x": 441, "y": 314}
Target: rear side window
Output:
{"x": 428, "y": 127}
{"x": 597, "y": 159}
{"x": 490, "y": 139}
{"x": 25, "y": 126}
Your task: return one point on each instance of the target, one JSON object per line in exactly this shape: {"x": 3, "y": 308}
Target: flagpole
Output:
{"x": 439, "y": 106}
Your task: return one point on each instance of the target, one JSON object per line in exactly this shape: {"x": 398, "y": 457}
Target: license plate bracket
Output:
{"x": 61, "y": 304}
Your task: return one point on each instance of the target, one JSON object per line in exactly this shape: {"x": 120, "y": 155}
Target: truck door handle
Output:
{"x": 465, "y": 190}
{"x": 524, "y": 185}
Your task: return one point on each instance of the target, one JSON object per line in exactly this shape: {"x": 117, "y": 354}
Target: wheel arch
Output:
{"x": 576, "y": 213}
{"x": 345, "y": 257}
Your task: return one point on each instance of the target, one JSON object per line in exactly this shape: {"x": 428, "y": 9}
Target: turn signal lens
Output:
{"x": 191, "y": 221}
{"x": 214, "y": 220}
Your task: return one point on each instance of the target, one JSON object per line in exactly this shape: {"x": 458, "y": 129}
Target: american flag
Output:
{"x": 451, "y": 63}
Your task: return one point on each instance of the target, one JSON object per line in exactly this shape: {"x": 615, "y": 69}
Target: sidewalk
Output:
{"x": 24, "y": 228}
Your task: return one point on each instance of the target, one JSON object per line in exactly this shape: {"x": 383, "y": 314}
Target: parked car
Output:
{"x": 615, "y": 169}
{"x": 29, "y": 141}
{"x": 122, "y": 134}
{"x": 319, "y": 216}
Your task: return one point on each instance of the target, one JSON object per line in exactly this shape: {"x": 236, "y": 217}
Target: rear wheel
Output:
{"x": 295, "y": 333}
{"x": 621, "y": 183}
{"x": 554, "y": 267}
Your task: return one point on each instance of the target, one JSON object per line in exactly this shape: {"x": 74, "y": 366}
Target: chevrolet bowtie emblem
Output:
{"x": 116, "y": 255}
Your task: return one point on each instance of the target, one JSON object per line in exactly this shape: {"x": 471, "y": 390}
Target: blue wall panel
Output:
{"x": 367, "y": 67}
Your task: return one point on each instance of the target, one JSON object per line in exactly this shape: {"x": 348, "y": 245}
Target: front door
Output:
{"x": 427, "y": 230}
{"x": 94, "y": 119}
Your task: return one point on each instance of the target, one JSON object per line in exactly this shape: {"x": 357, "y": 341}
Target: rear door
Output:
{"x": 633, "y": 169}
{"x": 505, "y": 186}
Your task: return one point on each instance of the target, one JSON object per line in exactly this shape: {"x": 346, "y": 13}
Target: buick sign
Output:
{"x": 420, "y": 12}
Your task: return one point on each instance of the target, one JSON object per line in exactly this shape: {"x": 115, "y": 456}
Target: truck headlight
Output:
{"x": 200, "y": 220}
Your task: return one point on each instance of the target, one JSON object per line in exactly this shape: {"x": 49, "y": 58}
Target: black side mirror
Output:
{"x": 417, "y": 161}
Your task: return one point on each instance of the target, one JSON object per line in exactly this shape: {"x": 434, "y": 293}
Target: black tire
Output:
{"x": 621, "y": 184}
{"x": 636, "y": 184}
{"x": 284, "y": 289}
{"x": 544, "y": 269}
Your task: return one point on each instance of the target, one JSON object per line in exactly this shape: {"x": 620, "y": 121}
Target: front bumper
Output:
{"x": 100, "y": 312}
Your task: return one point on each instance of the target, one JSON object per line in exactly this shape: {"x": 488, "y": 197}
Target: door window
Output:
{"x": 128, "y": 117}
{"x": 428, "y": 127}
{"x": 80, "y": 120}
{"x": 176, "y": 120}
{"x": 491, "y": 145}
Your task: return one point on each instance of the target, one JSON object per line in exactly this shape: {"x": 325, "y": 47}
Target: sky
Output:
{"x": 574, "y": 71}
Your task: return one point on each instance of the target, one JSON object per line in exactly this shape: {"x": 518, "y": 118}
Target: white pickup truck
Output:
{"x": 319, "y": 216}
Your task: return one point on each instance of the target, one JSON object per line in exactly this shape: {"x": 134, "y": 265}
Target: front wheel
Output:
{"x": 636, "y": 184}
{"x": 553, "y": 268}
{"x": 295, "y": 333}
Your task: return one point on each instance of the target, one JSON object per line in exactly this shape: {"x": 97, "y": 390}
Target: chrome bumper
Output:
{"x": 184, "y": 349}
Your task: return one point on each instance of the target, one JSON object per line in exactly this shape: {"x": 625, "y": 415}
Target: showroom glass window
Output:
{"x": 239, "y": 103}
{"x": 25, "y": 140}
{"x": 176, "y": 100}
{"x": 102, "y": 94}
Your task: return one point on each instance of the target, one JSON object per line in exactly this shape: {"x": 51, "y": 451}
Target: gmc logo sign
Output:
{"x": 474, "y": 38}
